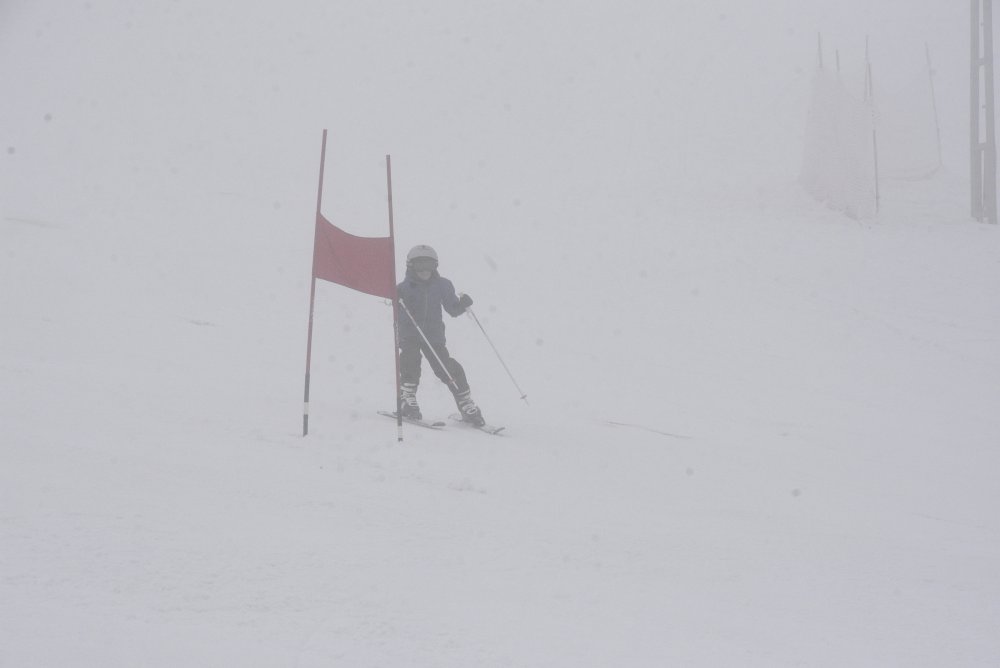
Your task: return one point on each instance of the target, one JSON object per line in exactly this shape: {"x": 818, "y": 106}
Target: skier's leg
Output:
{"x": 409, "y": 377}
{"x": 454, "y": 369}
{"x": 463, "y": 395}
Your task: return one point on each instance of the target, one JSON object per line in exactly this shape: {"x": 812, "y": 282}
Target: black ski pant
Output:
{"x": 412, "y": 351}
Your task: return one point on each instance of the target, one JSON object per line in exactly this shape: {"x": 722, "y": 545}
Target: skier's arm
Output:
{"x": 451, "y": 302}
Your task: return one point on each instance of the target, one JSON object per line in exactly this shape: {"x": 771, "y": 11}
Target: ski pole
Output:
{"x": 523, "y": 395}
{"x": 453, "y": 382}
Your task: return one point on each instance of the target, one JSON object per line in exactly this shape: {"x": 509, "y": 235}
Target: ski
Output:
{"x": 488, "y": 428}
{"x": 429, "y": 424}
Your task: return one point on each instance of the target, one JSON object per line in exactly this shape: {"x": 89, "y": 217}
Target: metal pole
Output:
{"x": 990, "y": 149}
{"x": 395, "y": 311}
{"x": 937, "y": 122}
{"x": 490, "y": 341}
{"x": 975, "y": 143}
{"x": 312, "y": 291}
{"x": 867, "y": 92}
{"x": 871, "y": 103}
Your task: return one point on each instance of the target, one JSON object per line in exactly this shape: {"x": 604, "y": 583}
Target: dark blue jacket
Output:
{"x": 425, "y": 299}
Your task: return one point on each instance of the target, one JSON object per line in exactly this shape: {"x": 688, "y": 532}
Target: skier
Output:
{"x": 424, "y": 293}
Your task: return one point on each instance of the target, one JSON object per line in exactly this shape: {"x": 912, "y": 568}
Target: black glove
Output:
{"x": 465, "y": 301}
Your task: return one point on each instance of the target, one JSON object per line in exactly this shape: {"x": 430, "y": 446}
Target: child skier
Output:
{"x": 422, "y": 295}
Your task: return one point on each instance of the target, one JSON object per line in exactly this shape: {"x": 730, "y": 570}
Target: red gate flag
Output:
{"x": 365, "y": 264}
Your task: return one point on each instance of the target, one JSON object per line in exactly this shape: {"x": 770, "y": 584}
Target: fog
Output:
{"x": 489, "y": 110}
{"x": 759, "y": 432}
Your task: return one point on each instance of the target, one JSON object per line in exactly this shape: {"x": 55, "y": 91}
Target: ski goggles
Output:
{"x": 424, "y": 264}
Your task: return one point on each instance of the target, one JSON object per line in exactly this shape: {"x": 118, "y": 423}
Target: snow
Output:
{"x": 759, "y": 433}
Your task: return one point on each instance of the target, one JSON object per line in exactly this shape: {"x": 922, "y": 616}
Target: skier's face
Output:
{"x": 424, "y": 268}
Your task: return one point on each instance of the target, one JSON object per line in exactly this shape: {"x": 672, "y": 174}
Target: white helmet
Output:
{"x": 421, "y": 251}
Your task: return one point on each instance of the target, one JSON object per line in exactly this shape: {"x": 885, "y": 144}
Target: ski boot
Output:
{"x": 410, "y": 408}
{"x": 469, "y": 410}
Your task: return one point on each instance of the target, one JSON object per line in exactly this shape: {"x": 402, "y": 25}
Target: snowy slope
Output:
{"x": 759, "y": 433}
